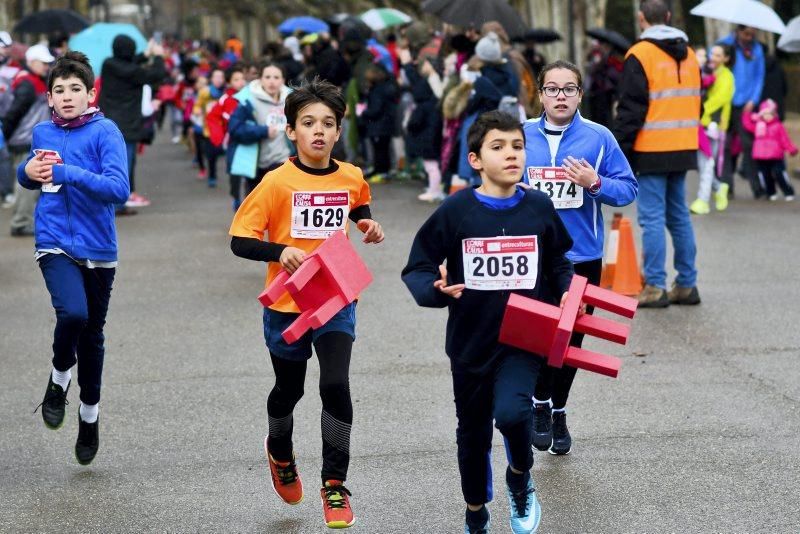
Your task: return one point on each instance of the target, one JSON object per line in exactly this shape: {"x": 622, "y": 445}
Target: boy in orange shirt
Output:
{"x": 298, "y": 205}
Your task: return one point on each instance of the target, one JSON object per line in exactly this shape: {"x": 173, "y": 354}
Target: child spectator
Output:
{"x": 718, "y": 85}
{"x": 769, "y": 146}
{"x": 79, "y": 162}
{"x": 450, "y": 266}
{"x": 206, "y": 98}
{"x": 378, "y": 119}
{"x": 314, "y": 116}
{"x": 424, "y": 126}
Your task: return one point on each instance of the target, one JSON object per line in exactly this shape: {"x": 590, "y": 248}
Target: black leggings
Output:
{"x": 333, "y": 351}
{"x": 553, "y": 382}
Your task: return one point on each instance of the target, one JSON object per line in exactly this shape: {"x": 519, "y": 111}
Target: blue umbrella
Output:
{"x": 96, "y": 41}
{"x": 304, "y": 24}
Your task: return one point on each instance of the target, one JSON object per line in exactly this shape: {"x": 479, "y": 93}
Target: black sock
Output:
{"x": 477, "y": 518}
{"x": 517, "y": 482}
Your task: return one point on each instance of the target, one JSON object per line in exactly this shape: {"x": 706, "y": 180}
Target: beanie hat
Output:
{"x": 418, "y": 34}
{"x": 767, "y": 105}
{"x": 488, "y": 49}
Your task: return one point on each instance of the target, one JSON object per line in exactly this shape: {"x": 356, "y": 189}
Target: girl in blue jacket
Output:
{"x": 79, "y": 162}
{"x": 579, "y": 164}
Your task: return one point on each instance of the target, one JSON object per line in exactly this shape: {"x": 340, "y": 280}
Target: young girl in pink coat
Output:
{"x": 770, "y": 144}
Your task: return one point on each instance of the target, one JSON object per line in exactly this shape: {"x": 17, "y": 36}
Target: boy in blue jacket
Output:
{"x": 79, "y": 162}
{"x": 477, "y": 248}
{"x": 580, "y": 166}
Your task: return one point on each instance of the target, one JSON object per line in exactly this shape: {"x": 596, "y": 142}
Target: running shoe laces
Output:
{"x": 334, "y": 496}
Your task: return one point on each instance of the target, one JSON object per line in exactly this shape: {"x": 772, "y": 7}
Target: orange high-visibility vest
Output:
{"x": 673, "y": 114}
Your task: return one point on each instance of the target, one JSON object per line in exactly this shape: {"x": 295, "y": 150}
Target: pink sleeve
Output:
{"x": 748, "y": 123}
{"x": 788, "y": 145}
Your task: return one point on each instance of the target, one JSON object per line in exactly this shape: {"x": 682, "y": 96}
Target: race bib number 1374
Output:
{"x": 318, "y": 214}
{"x": 553, "y": 182}
{"x": 500, "y": 263}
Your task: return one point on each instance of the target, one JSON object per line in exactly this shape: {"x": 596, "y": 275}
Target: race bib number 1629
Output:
{"x": 318, "y": 214}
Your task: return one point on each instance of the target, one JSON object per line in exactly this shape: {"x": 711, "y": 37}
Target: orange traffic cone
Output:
{"x": 627, "y": 279}
{"x": 609, "y": 269}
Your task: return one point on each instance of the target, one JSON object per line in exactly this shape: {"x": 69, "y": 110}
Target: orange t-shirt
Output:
{"x": 299, "y": 209}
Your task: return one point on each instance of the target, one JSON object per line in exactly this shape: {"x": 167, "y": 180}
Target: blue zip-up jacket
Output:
{"x": 748, "y": 73}
{"x": 584, "y": 139}
{"x": 79, "y": 217}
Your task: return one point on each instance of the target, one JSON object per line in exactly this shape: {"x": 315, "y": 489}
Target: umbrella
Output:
{"x": 540, "y": 35}
{"x": 473, "y": 13}
{"x": 347, "y": 23}
{"x": 303, "y": 24}
{"x": 748, "y": 12}
{"x": 52, "y": 21}
{"x": 790, "y": 40}
{"x": 615, "y": 39}
{"x": 96, "y": 41}
{"x": 380, "y": 18}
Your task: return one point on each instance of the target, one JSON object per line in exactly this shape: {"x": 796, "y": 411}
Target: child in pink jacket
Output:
{"x": 770, "y": 144}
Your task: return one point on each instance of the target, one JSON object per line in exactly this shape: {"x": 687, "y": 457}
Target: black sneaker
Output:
{"x": 55, "y": 399}
{"x": 562, "y": 441}
{"x": 88, "y": 441}
{"x": 542, "y": 425}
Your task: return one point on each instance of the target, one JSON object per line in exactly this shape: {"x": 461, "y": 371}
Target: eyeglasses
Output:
{"x": 552, "y": 91}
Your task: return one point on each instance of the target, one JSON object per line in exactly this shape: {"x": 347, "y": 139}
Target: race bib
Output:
{"x": 277, "y": 119}
{"x": 50, "y": 188}
{"x": 497, "y": 263}
{"x": 50, "y": 155}
{"x": 318, "y": 214}
{"x": 554, "y": 183}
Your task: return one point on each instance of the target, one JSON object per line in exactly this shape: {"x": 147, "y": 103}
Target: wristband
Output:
{"x": 595, "y": 187}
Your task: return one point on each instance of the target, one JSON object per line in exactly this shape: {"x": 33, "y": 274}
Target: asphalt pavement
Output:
{"x": 699, "y": 433}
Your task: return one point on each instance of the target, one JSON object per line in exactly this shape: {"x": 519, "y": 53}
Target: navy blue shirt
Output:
{"x": 473, "y": 325}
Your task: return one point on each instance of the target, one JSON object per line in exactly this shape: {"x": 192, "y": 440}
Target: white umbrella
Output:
{"x": 384, "y": 17}
{"x": 748, "y": 12}
{"x": 790, "y": 40}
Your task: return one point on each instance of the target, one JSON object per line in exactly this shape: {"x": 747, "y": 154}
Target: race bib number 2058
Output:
{"x": 500, "y": 263}
{"x": 318, "y": 214}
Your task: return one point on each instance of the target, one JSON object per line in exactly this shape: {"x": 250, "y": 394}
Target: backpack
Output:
{"x": 6, "y": 94}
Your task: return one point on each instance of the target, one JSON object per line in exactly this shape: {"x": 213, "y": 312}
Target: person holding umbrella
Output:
{"x": 749, "y": 68}
{"x": 657, "y": 120}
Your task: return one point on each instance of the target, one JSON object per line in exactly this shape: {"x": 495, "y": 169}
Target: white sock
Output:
{"x": 89, "y": 412}
{"x": 546, "y": 401}
{"x": 61, "y": 378}
{"x": 559, "y": 410}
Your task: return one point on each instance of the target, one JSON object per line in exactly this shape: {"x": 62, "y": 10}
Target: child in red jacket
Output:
{"x": 769, "y": 146}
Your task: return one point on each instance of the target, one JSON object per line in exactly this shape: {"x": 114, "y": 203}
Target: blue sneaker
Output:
{"x": 525, "y": 510}
{"x": 471, "y": 528}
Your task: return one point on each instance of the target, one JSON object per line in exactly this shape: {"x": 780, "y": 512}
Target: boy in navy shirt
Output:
{"x": 78, "y": 161}
{"x": 479, "y": 246}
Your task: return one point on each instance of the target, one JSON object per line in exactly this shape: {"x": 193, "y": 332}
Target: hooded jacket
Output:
{"x": 770, "y": 140}
{"x": 28, "y": 108}
{"x": 249, "y": 146}
{"x": 634, "y": 101}
{"x": 78, "y": 218}
{"x": 123, "y": 76}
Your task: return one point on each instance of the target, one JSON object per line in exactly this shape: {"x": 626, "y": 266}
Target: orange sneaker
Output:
{"x": 285, "y": 479}
{"x": 336, "y": 505}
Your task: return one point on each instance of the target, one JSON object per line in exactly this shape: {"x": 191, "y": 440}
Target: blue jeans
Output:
{"x": 80, "y": 298}
{"x": 130, "y": 150}
{"x": 662, "y": 202}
